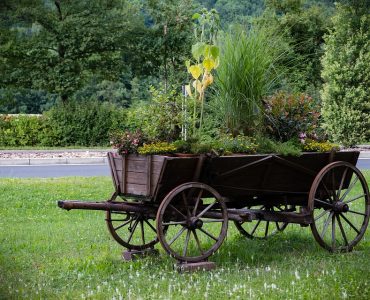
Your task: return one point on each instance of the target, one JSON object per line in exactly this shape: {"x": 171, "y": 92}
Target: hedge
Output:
{"x": 76, "y": 124}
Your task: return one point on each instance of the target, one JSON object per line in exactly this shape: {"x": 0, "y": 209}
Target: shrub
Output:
{"x": 289, "y": 116}
{"x": 86, "y": 123}
{"x": 346, "y": 72}
{"x": 161, "y": 118}
{"x": 21, "y": 130}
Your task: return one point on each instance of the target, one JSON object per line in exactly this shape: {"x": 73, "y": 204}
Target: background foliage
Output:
{"x": 346, "y": 71}
{"x": 66, "y": 51}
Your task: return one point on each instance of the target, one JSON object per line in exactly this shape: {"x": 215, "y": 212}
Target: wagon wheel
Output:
{"x": 339, "y": 198}
{"x": 134, "y": 231}
{"x": 260, "y": 229}
{"x": 196, "y": 216}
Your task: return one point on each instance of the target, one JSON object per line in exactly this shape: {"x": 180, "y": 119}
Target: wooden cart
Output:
{"x": 186, "y": 203}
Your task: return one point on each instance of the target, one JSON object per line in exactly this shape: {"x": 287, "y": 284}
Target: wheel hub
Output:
{"x": 195, "y": 223}
{"x": 340, "y": 207}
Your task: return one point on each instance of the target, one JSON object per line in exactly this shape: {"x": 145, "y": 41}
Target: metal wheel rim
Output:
{"x": 163, "y": 238}
{"x": 338, "y": 224}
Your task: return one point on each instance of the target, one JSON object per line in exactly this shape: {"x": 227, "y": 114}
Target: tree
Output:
{"x": 232, "y": 11}
{"x": 346, "y": 72}
{"x": 60, "y": 45}
{"x": 171, "y": 30}
{"x": 304, "y": 29}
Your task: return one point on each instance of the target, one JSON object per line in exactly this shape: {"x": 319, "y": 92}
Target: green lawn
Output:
{"x": 49, "y": 253}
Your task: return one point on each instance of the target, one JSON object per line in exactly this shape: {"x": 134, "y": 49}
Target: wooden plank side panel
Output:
{"x": 289, "y": 174}
{"x": 135, "y": 174}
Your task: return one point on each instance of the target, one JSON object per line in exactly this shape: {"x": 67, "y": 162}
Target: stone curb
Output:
{"x": 53, "y": 161}
{"x": 79, "y": 160}
{"x": 365, "y": 155}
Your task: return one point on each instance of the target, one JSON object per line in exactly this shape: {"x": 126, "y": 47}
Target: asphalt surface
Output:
{"x": 85, "y": 170}
{"x": 48, "y": 171}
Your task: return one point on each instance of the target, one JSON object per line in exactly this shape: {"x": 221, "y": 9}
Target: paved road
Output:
{"x": 45, "y": 171}
{"x": 81, "y": 170}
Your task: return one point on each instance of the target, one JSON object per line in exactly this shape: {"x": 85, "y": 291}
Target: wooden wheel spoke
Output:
{"x": 150, "y": 225}
{"x": 197, "y": 241}
{"x": 330, "y": 193}
{"x": 349, "y": 188}
{"x": 142, "y": 231}
{"x": 255, "y": 227}
{"x": 342, "y": 230}
{"x": 333, "y": 184}
{"x": 205, "y": 210}
{"x": 197, "y": 202}
{"x": 179, "y": 212}
{"x": 177, "y": 236}
{"x": 321, "y": 215}
{"x": 280, "y": 228}
{"x": 322, "y": 202}
{"x": 333, "y": 232}
{"x": 277, "y": 225}
{"x": 186, "y": 204}
{"x": 174, "y": 223}
{"x": 326, "y": 225}
{"x": 122, "y": 225}
{"x": 341, "y": 182}
{"x": 350, "y": 223}
{"x": 132, "y": 230}
{"x": 208, "y": 234}
{"x": 357, "y": 213}
{"x": 354, "y": 199}
{"x": 267, "y": 228}
{"x": 186, "y": 243}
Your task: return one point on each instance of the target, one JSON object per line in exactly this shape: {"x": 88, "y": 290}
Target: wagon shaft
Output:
{"x": 109, "y": 206}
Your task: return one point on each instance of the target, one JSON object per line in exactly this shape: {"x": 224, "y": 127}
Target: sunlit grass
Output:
{"x": 49, "y": 253}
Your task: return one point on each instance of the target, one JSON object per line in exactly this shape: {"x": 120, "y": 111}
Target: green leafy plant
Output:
{"x": 157, "y": 148}
{"x": 161, "y": 118}
{"x": 289, "y": 148}
{"x": 318, "y": 146}
{"x": 228, "y": 144}
{"x": 205, "y": 60}
{"x": 291, "y": 116}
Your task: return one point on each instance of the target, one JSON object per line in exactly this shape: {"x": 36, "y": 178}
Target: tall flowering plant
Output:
{"x": 127, "y": 142}
{"x": 204, "y": 61}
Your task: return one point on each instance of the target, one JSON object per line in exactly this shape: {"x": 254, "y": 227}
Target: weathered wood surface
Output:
{"x": 135, "y": 174}
{"x": 235, "y": 177}
{"x": 239, "y": 176}
{"x": 150, "y": 176}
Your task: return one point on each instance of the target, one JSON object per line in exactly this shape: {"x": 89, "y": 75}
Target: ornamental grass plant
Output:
{"x": 248, "y": 71}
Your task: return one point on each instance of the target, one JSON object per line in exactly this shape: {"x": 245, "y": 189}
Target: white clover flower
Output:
{"x": 296, "y": 274}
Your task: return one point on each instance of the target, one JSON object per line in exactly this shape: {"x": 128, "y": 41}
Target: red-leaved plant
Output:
{"x": 127, "y": 142}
